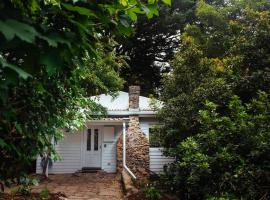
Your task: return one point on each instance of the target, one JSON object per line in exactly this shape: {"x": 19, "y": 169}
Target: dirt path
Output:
{"x": 90, "y": 186}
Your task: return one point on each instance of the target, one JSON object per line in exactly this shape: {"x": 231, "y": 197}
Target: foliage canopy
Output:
{"x": 153, "y": 44}
{"x": 54, "y": 54}
{"x": 224, "y": 53}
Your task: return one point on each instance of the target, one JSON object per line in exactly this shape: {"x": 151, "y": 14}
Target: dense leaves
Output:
{"x": 53, "y": 55}
{"x": 229, "y": 156}
{"x": 215, "y": 61}
{"x": 153, "y": 44}
{"x": 225, "y": 52}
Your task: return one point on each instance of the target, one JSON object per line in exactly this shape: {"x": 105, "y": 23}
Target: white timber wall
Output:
{"x": 145, "y": 128}
{"x": 109, "y": 148}
{"x": 69, "y": 150}
{"x": 158, "y": 160}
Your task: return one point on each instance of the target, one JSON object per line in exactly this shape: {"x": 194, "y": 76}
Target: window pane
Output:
{"x": 88, "y": 140}
{"x": 96, "y": 140}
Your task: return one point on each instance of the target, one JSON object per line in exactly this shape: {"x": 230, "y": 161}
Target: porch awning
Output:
{"x": 108, "y": 121}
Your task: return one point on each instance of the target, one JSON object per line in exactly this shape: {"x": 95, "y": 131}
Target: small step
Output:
{"x": 90, "y": 169}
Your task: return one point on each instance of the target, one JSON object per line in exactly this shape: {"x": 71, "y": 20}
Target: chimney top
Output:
{"x": 134, "y": 94}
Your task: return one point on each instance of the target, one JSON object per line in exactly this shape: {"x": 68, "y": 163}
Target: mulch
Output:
{"x": 141, "y": 196}
{"x": 36, "y": 196}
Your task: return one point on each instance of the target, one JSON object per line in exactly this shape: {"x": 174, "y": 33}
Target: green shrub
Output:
{"x": 223, "y": 151}
{"x": 151, "y": 193}
{"x": 223, "y": 197}
{"x": 229, "y": 155}
{"x": 26, "y": 184}
{"x": 45, "y": 193}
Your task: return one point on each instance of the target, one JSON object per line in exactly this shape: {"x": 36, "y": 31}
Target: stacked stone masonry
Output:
{"x": 137, "y": 144}
{"x": 137, "y": 150}
{"x": 134, "y": 95}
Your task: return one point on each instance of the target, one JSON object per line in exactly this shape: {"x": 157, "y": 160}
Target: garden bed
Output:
{"x": 36, "y": 196}
{"x": 141, "y": 196}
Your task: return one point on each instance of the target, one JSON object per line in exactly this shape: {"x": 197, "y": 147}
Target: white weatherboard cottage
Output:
{"x": 95, "y": 147}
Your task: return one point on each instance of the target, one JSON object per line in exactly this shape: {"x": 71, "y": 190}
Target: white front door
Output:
{"x": 92, "y": 147}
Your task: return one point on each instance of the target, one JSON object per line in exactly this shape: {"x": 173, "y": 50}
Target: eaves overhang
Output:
{"x": 145, "y": 113}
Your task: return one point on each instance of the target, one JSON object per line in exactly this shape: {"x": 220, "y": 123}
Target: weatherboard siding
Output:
{"x": 69, "y": 151}
{"x": 158, "y": 160}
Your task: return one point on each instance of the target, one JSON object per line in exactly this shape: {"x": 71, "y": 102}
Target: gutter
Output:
{"x": 131, "y": 112}
{"x": 124, "y": 151}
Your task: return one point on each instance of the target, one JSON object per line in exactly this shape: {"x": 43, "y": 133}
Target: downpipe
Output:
{"x": 124, "y": 152}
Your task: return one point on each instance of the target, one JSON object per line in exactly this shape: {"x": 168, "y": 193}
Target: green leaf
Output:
{"x": 132, "y": 15}
{"x": 23, "y": 74}
{"x": 136, "y": 10}
{"x": 123, "y": 2}
{"x": 151, "y": 1}
{"x": 50, "y": 41}
{"x": 125, "y": 30}
{"x": 81, "y": 26}
{"x": 124, "y": 22}
{"x": 35, "y": 182}
{"x": 75, "y": 1}
{"x": 11, "y": 28}
{"x": 2, "y": 143}
{"x": 40, "y": 88}
{"x": 80, "y": 10}
{"x": 19, "y": 128}
{"x": 51, "y": 63}
{"x": 54, "y": 39}
{"x": 145, "y": 9}
{"x": 167, "y": 2}
{"x": 153, "y": 11}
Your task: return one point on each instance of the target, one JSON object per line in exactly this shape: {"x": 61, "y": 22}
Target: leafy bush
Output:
{"x": 26, "y": 184}
{"x": 151, "y": 192}
{"x": 221, "y": 152}
{"x": 45, "y": 193}
{"x": 229, "y": 156}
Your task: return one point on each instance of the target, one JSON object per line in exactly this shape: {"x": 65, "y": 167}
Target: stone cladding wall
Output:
{"x": 134, "y": 95}
{"x": 137, "y": 150}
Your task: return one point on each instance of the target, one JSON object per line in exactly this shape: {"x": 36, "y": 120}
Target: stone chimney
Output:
{"x": 137, "y": 144}
{"x": 134, "y": 94}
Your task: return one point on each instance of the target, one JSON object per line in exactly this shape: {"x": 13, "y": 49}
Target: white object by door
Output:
{"x": 92, "y": 147}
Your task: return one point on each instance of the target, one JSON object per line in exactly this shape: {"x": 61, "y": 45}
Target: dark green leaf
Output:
{"x": 51, "y": 63}
{"x": 2, "y": 143}
{"x": 54, "y": 39}
{"x": 124, "y": 22}
{"x": 80, "y": 10}
{"x": 145, "y": 9}
{"x": 11, "y": 28}
{"x": 23, "y": 74}
{"x": 18, "y": 127}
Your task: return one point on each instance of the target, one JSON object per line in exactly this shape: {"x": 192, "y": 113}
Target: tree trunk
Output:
{"x": 45, "y": 167}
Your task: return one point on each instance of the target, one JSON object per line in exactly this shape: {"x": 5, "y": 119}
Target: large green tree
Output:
{"x": 153, "y": 44}
{"x": 225, "y": 52}
{"x": 53, "y": 55}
